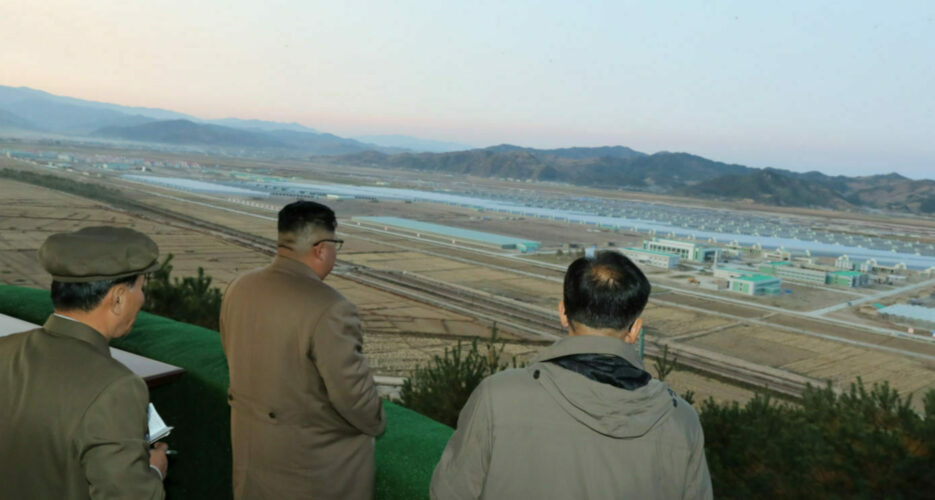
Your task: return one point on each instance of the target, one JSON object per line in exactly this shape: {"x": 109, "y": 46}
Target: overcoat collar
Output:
{"x": 592, "y": 344}
{"x": 64, "y": 327}
{"x": 292, "y": 266}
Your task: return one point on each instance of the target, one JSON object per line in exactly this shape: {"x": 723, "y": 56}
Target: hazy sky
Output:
{"x": 841, "y": 87}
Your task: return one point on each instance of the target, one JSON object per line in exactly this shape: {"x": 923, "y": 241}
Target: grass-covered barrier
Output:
{"x": 196, "y": 405}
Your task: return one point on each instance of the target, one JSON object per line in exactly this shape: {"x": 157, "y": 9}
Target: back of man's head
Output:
{"x": 605, "y": 291}
{"x": 85, "y": 296}
{"x": 301, "y": 223}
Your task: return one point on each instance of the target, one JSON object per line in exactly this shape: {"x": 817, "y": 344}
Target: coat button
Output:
{"x": 272, "y": 415}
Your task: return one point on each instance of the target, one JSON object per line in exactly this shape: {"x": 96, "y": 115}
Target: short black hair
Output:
{"x": 297, "y": 215}
{"x": 605, "y": 291}
{"x": 84, "y": 296}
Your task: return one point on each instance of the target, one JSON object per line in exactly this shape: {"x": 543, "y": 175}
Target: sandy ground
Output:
{"x": 821, "y": 359}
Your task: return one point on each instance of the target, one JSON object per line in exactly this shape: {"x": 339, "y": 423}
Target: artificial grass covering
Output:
{"x": 196, "y": 404}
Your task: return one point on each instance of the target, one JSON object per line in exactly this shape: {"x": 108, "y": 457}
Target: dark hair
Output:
{"x": 605, "y": 291}
{"x": 84, "y": 296}
{"x": 297, "y": 215}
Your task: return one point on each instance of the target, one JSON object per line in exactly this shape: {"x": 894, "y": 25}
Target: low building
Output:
{"x": 916, "y": 315}
{"x": 787, "y": 271}
{"x": 871, "y": 266}
{"x": 455, "y": 234}
{"x": 684, "y": 249}
{"x": 650, "y": 257}
{"x": 756, "y": 284}
{"x": 779, "y": 255}
{"x": 850, "y": 279}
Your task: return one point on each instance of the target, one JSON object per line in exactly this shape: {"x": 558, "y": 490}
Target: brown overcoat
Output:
{"x": 304, "y": 407}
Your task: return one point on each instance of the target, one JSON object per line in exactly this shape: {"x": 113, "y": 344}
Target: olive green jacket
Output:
{"x": 304, "y": 406}
{"x": 546, "y": 432}
{"x": 72, "y": 419}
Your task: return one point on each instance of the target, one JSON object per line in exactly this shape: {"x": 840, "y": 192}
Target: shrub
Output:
{"x": 859, "y": 444}
{"x": 441, "y": 388}
{"x": 191, "y": 300}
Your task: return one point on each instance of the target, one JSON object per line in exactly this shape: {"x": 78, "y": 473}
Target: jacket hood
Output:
{"x": 606, "y": 409}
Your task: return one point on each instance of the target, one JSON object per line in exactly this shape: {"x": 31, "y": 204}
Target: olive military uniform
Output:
{"x": 73, "y": 418}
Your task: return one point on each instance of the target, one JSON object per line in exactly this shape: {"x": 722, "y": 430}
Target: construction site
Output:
{"x": 427, "y": 273}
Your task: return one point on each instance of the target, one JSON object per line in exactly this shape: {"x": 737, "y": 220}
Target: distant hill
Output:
{"x": 66, "y": 114}
{"x": 769, "y": 187}
{"x": 413, "y": 144}
{"x": 671, "y": 173}
{"x": 23, "y": 108}
{"x": 70, "y": 115}
{"x": 323, "y": 143}
{"x": 55, "y": 116}
{"x": 36, "y": 111}
{"x": 261, "y": 125}
{"x": 10, "y": 120}
{"x": 186, "y": 132}
{"x": 577, "y": 153}
{"x": 585, "y": 166}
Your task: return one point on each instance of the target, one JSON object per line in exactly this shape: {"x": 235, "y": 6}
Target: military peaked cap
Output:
{"x": 98, "y": 253}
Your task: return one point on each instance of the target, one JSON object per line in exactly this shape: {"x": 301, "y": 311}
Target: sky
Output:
{"x": 843, "y": 87}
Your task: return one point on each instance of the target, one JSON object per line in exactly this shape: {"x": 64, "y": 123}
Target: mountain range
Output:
{"x": 679, "y": 174}
{"x": 30, "y": 111}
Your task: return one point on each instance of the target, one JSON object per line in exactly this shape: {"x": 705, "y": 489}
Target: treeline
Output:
{"x": 87, "y": 190}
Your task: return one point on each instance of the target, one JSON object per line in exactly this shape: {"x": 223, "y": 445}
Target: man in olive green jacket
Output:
{"x": 73, "y": 419}
{"x": 584, "y": 421}
{"x": 304, "y": 406}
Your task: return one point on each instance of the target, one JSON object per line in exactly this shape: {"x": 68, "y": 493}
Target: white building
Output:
{"x": 684, "y": 249}
{"x": 650, "y": 257}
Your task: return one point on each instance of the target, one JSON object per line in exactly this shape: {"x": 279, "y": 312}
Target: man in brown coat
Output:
{"x": 304, "y": 407}
{"x": 584, "y": 421}
{"x": 72, "y": 418}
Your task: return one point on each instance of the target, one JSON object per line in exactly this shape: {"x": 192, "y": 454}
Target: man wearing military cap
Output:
{"x": 73, "y": 419}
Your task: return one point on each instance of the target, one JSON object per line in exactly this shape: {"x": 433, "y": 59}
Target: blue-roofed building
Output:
{"x": 196, "y": 186}
{"x": 918, "y": 315}
{"x": 454, "y": 233}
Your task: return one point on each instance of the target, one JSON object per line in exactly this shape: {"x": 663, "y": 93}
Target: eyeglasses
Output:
{"x": 337, "y": 243}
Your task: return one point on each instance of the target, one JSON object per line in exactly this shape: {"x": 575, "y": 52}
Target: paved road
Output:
{"x": 895, "y": 291}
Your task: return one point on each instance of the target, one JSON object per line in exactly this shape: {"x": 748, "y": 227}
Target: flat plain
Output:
{"x": 401, "y": 333}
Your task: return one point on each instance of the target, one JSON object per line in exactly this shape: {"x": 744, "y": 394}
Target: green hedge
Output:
{"x": 196, "y": 405}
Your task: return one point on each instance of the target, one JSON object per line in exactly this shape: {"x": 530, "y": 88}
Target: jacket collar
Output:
{"x": 292, "y": 266}
{"x": 592, "y": 344}
{"x": 65, "y": 327}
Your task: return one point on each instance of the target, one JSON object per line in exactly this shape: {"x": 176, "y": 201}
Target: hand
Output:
{"x": 158, "y": 458}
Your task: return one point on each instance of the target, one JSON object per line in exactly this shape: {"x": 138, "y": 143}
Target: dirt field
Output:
{"x": 819, "y": 358}
{"x": 708, "y": 305}
{"x": 670, "y": 321}
{"x": 29, "y": 214}
{"x": 399, "y": 332}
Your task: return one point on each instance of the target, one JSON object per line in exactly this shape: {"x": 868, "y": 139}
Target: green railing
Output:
{"x": 196, "y": 405}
